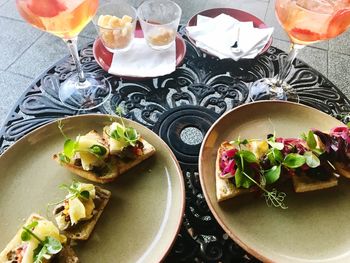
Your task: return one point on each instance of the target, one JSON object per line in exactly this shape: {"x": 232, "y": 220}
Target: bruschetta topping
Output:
{"x": 41, "y": 241}
{"x": 123, "y": 141}
{"x": 77, "y": 206}
{"x": 89, "y": 150}
{"x": 259, "y": 163}
{"x": 336, "y": 143}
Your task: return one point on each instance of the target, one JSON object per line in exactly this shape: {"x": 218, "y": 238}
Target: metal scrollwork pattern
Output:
{"x": 195, "y": 95}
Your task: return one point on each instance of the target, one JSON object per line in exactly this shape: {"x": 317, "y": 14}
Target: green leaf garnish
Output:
{"x": 311, "y": 143}
{"x": 241, "y": 180}
{"x": 248, "y": 156}
{"x": 48, "y": 246}
{"x": 275, "y": 156}
{"x": 25, "y": 235}
{"x": 273, "y": 174}
{"x": 98, "y": 150}
{"x": 310, "y": 140}
{"x": 238, "y": 178}
{"x": 69, "y": 148}
{"x": 74, "y": 191}
{"x": 241, "y": 157}
{"x": 294, "y": 160}
{"x": 239, "y": 142}
{"x": 85, "y": 194}
{"x": 53, "y": 245}
{"x": 123, "y": 133}
{"x": 38, "y": 253}
{"x": 311, "y": 159}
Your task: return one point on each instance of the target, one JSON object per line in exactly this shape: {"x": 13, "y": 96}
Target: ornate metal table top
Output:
{"x": 177, "y": 106}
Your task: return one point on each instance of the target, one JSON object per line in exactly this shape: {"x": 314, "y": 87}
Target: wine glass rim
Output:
{"x": 139, "y": 12}
{"x": 95, "y": 18}
{"x": 318, "y": 12}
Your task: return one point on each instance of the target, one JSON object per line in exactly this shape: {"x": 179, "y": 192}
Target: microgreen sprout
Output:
{"x": 244, "y": 173}
{"x": 272, "y": 198}
{"x": 74, "y": 192}
{"x": 71, "y": 147}
{"x": 123, "y": 133}
{"x": 47, "y": 247}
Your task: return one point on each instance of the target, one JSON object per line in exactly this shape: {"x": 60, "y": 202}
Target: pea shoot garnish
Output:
{"x": 46, "y": 248}
{"x": 123, "y": 133}
{"x": 248, "y": 166}
{"x": 261, "y": 162}
{"x": 71, "y": 147}
{"x": 74, "y": 191}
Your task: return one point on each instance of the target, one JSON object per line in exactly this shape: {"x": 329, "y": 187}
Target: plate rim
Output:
{"x": 266, "y": 47}
{"x": 173, "y": 157}
{"x": 103, "y": 65}
{"x": 221, "y": 222}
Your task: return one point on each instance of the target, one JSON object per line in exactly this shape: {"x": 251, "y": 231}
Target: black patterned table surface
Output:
{"x": 194, "y": 96}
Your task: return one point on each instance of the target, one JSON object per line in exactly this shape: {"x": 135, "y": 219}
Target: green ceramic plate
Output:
{"x": 142, "y": 217}
{"x": 315, "y": 227}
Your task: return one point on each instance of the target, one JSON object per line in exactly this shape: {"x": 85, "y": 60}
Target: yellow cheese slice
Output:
{"x": 76, "y": 210}
{"x": 258, "y": 147}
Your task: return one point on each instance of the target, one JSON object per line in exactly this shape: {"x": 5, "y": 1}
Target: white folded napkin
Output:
{"x": 142, "y": 61}
{"x": 217, "y": 35}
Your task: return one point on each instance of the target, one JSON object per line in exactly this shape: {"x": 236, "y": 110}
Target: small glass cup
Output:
{"x": 115, "y": 24}
{"x": 159, "y": 21}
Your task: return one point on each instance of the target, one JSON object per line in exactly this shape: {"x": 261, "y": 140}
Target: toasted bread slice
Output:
{"x": 116, "y": 166}
{"x": 224, "y": 188}
{"x": 304, "y": 183}
{"x": 83, "y": 229}
{"x": 16, "y": 241}
{"x": 67, "y": 255}
{"x": 342, "y": 169}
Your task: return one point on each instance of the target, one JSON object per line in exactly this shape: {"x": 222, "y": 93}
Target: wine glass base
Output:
{"x": 88, "y": 95}
{"x": 267, "y": 89}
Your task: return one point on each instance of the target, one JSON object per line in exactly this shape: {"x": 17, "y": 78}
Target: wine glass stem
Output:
{"x": 286, "y": 66}
{"x": 73, "y": 48}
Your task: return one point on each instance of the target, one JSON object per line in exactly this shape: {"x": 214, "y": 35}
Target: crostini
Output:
{"x": 38, "y": 240}
{"x": 312, "y": 162}
{"x": 77, "y": 215}
{"x": 103, "y": 158}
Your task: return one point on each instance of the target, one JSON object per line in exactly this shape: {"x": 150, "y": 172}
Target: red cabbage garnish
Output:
{"x": 292, "y": 145}
{"x": 337, "y": 143}
{"x": 228, "y": 163}
{"x": 342, "y": 132}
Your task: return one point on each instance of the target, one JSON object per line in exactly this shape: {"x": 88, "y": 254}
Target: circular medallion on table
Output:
{"x": 183, "y": 129}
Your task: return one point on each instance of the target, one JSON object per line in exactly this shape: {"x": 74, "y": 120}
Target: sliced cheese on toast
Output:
{"x": 83, "y": 229}
{"x": 116, "y": 166}
{"x": 43, "y": 229}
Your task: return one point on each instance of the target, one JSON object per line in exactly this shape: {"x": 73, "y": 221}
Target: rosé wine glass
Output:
{"x": 66, "y": 19}
{"x": 306, "y": 22}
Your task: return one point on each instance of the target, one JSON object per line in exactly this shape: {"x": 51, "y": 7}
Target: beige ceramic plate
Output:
{"x": 315, "y": 227}
{"x": 142, "y": 217}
